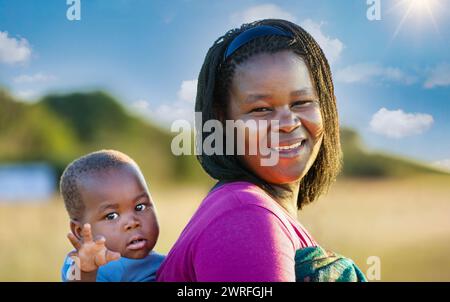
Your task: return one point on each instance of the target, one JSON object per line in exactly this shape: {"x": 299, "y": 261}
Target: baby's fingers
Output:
{"x": 74, "y": 240}
{"x": 105, "y": 256}
{"x": 86, "y": 233}
{"x": 100, "y": 241}
{"x": 111, "y": 256}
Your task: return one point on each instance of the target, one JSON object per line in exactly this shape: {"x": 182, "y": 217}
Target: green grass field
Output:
{"x": 403, "y": 222}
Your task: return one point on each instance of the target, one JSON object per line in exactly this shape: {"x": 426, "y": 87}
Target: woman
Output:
{"x": 246, "y": 228}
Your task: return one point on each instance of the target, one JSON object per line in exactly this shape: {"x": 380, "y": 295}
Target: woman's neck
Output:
{"x": 287, "y": 196}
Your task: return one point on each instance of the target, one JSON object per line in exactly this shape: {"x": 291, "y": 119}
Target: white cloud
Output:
{"x": 439, "y": 76}
{"x": 332, "y": 47}
{"x": 182, "y": 109}
{"x": 366, "y": 72}
{"x": 442, "y": 164}
{"x": 26, "y": 94}
{"x": 167, "y": 112}
{"x": 38, "y": 77}
{"x": 398, "y": 124}
{"x": 188, "y": 91}
{"x": 263, "y": 11}
{"x": 13, "y": 50}
{"x": 141, "y": 105}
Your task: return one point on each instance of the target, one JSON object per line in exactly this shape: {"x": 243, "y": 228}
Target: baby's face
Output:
{"x": 119, "y": 207}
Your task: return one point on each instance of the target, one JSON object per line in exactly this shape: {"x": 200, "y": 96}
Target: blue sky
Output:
{"x": 392, "y": 78}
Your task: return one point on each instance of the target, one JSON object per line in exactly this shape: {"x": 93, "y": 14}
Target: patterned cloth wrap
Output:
{"x": 315, "y": 264}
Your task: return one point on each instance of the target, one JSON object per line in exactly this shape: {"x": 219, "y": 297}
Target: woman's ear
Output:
{"x": 76, "y": 228}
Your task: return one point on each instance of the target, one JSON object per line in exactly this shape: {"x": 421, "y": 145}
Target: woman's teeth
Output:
{"x": 290, "y": 147}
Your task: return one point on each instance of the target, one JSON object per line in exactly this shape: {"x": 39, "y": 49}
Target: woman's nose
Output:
{"x": 288, "y": 120}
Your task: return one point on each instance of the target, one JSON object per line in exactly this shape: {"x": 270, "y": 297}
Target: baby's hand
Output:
{"x": 91, "y": 253}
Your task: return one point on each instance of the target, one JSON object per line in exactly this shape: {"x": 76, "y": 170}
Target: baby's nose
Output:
{"x": 132, "y": 223}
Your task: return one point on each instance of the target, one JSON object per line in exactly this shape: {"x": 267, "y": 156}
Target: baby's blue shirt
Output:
{"x": 123, "y": 269}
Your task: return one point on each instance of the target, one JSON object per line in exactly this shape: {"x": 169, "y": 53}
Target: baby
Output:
{"x": 112, "y": 219}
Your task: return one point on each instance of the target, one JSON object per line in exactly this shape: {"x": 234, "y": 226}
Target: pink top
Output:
{"x": 239, "y": 233}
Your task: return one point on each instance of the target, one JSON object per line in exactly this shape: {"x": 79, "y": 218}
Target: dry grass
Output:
{"x": 404, "y": 222}
{"x": 33, "y": 240}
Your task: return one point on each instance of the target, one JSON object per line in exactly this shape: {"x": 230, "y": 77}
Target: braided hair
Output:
{"x": 214, "y": 83}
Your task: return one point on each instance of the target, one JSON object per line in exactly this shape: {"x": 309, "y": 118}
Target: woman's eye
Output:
{"x": 261, "y": 109}
{"x": 111, "y": 216}
{"x": 140, "y": 207}
{"x": 303, "y": 103}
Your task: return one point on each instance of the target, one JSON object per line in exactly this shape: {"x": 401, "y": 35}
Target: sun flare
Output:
{"x": 417, "y": 11}
{"x": 419, "y": 5}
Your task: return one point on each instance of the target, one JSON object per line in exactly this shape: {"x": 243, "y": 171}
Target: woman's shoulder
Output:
{"x": 240, "y": 197}
{"x": 245, "y": 203}
{"x": 241, "y": 212}
{"x": 242, "y": 194}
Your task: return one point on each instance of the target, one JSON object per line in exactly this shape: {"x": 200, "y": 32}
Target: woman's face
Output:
{"x": 277, "y": 87}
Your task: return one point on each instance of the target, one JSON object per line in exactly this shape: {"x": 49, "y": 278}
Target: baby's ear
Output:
{"x": 76, "y": 227}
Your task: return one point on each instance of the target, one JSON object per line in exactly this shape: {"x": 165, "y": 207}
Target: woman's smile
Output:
{"x": 277, "y": 89}
{"x": 290, "y": 149}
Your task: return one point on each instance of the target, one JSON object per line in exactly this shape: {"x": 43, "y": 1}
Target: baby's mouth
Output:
{"x": 137, "y": 243}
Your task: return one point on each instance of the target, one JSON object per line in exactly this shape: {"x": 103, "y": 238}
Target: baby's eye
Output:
{"x": 111, "y": 216}
{"x": 140, "y": 207}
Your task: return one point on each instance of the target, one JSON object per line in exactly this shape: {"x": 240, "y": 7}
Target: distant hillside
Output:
{"x": 91, "y": 115}
{"x": 361, "y": 163}
{"x": 30, "y": 132}
{"x": 59, "y": 128}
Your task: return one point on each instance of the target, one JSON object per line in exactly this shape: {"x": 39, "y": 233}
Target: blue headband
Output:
{"x": 252, "y": 33}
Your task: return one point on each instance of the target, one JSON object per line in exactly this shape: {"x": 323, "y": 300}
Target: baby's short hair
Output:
{"x": 91, "y": 163}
